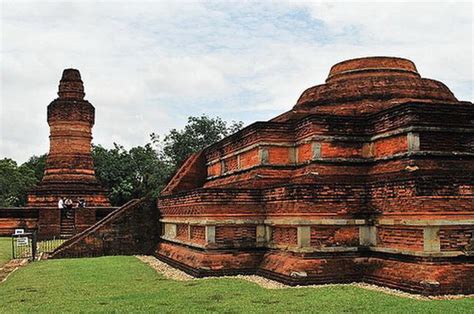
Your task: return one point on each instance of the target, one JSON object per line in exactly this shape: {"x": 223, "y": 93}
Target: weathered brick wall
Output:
{"x": 198, "y": 234}
{"x": 421, "y": 276}
{"x": 316, "y": 198}
{"x": 211, "y": 202}
{"x": 284, "y": 235}
{"x": 190, "y": 175}
{"x": 329, "y": 236}
{"x": 17, "y": 218}
{"x": 361, "y": 142}
{"x": 46, "y": 221}
{"x": 182, "y": 231}
{"x": 293, "y": 269}
{"x": 131, "y": 229}
{"x": 209, "y": 263}
{"x": 456, "y": 238}
{"x": 400, "y": 237}
{"x": 235, "y": 236}
{"x": 341, "y": 150}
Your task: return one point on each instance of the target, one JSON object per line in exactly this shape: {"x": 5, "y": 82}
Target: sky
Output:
{"x": 148, "y": 65}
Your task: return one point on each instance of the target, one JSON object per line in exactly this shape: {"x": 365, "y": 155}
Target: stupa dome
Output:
{"x": 372, "y": 82}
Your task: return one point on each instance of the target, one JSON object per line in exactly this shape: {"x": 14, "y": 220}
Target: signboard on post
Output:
{"x": 22, "y": 241}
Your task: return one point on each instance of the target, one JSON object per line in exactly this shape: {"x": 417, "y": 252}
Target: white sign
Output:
{"x": 23, "y": 241}
{"x": 19, "y": 231}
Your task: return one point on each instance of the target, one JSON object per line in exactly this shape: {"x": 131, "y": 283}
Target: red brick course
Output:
{"x": 334, "y": 236}
{"x": 400, "y": 237}
{"x": 235, "y": 236}
{"x": 284, "y": 235}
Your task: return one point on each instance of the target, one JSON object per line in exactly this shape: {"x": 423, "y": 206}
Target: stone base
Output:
{"x": 298, "y": 269}
{"x": 435, "y": 276}
{"x": 209, "y": 263}
{"x": 427, "y": 276}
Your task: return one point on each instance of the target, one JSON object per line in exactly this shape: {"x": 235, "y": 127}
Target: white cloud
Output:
{"x": 148, "y": 65}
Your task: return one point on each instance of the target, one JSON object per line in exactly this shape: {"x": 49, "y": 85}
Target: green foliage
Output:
{"x": 129, "y": 174}
{"x": 142, "y": 170}
{"x": 124, "y": 284}
{"x": 145, "y": 170}
{"x": 37, "y": 164}
{"x": 199, "y": 133}
{"x": 15, "y": 182}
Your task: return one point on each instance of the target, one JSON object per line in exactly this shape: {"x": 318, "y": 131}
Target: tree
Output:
{"x": 15, "y": 182}
{"x": 129, "y": 174}
{"x": 199, "y": 133}
{"x": 37, "y": 164}
{"x": 145, "y": 170}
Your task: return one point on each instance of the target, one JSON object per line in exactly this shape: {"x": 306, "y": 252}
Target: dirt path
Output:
{"x": 10, "y": 267}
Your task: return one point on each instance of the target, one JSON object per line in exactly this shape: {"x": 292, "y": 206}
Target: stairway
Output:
{"x": 68, "y": 227}
{"x": 74, "y": 246}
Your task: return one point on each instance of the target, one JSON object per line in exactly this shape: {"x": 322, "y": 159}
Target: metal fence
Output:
{"x": 26, "y": 245}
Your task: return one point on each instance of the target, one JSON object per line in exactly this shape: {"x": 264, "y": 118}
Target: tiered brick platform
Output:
{"x": 368, "y": 178}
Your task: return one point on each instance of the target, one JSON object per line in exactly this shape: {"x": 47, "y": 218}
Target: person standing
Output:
{"x": 68, "y": 204}
{"x": 81, "y": 203}
{"x": 61, "y": 203}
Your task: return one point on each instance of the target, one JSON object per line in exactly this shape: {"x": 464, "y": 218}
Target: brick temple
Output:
{"x": 369, "y": 177}
{"x": 69, "y": 170}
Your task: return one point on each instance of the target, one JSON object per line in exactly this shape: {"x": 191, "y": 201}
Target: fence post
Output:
{"x": 33, "y": 246}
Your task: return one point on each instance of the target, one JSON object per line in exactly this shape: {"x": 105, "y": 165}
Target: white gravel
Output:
{"x": 165, "y": 269}
{"x": 176, "y": 274}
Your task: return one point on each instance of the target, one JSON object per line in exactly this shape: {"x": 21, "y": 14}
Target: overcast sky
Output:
{"x": 147, "y": 66}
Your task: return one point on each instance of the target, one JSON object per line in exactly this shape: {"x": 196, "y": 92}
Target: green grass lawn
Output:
{"x": 125, "y": 284}
{"x": 5, "y": 250}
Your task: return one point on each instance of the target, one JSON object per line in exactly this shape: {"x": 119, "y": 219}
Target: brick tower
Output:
{"x": 69, "y": 170}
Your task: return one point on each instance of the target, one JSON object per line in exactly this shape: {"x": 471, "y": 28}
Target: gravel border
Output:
{"x": 172, "y": 273}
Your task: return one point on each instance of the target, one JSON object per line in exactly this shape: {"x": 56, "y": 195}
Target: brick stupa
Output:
{"x": 69, "y": 170}
{"x": 368, "y": 178}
